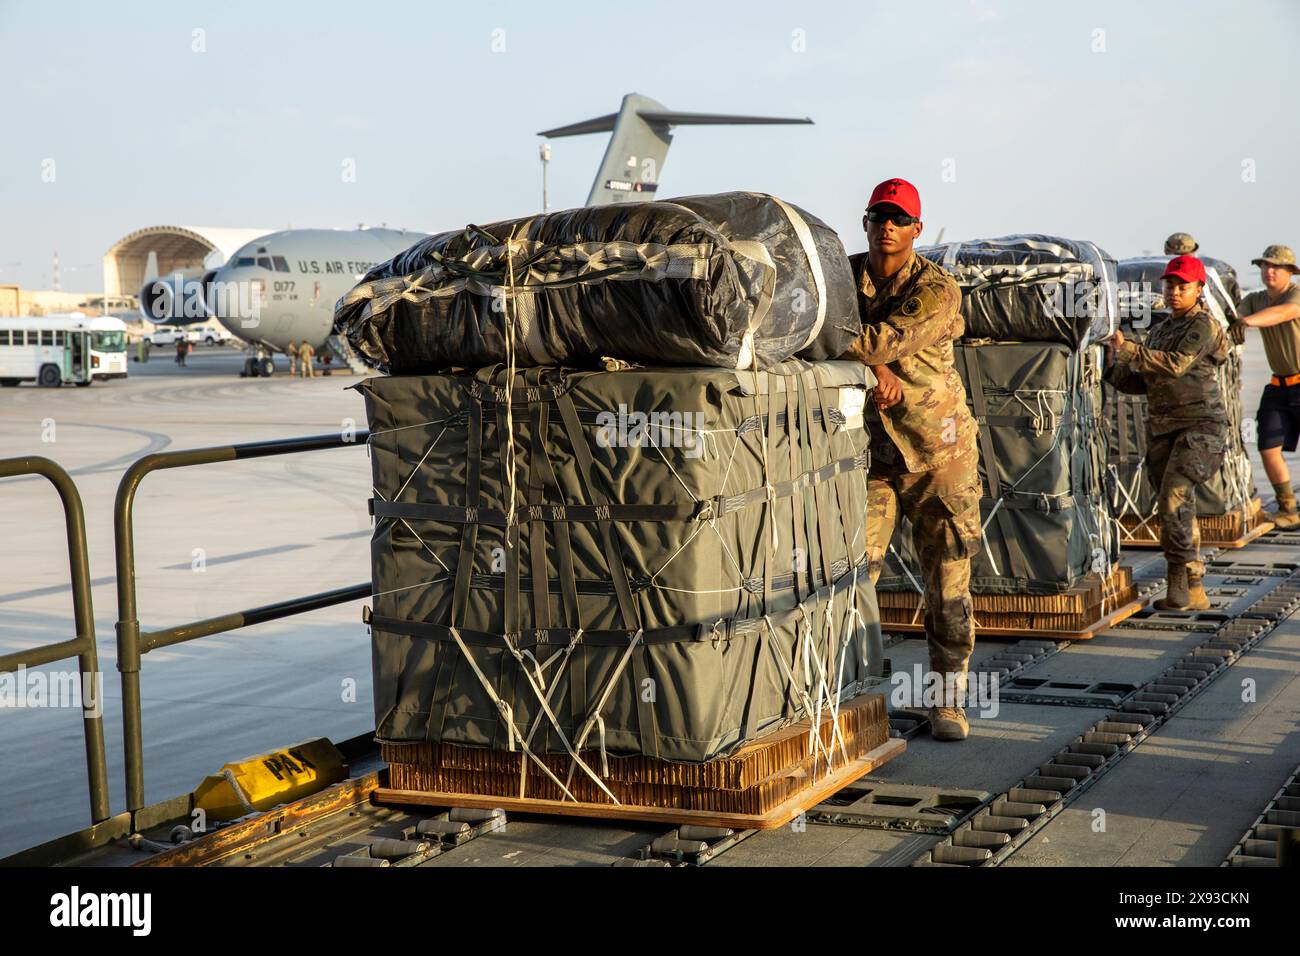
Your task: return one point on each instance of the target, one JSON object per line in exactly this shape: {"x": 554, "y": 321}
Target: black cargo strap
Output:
{"x": 988, "y": 452}
{"x": 848, "y": 522}
{"x": 719, "y": 633}
{"x": 1028, "y": 501}
{"x": 706, "y": 509}
{"x": 613, "y": 555}
{"x": 447, "y": 669}
{"x": 798, "y": 514}
{"x": 537, "y": 423}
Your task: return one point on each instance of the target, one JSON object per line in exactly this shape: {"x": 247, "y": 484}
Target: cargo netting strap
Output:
{"x": 996, "y": 491}
{"x": 527, "y": 646}
{"x": 719, "y": 632}
{"x": 539, "y": 266}
{"x": 704, "y": 509}
{"x": 512, "y": 730}
{"x": 1042, "y": 417}
{"x": 815, "y": 670}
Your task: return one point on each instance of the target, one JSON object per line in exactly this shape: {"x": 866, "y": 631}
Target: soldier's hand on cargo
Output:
{"x": 889, "y": 391}
{"x": 1112, "y": 345}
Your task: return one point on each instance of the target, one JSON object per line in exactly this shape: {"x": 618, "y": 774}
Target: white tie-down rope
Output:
{"x": 384, "y": 431}
{"x": 407, "y": 587}
{"x": 596, "y": 719}
{"x": 916, "y": 585}
{"x": 544, "y": 700}
{"x": 832, "y": 702}
{"x": 507, "y": 714}
{"x": 420, "y": 464}
{"x": 815, "y": 738}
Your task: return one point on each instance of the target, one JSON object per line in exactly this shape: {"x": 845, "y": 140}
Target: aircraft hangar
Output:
{"x": 162, "y": 250}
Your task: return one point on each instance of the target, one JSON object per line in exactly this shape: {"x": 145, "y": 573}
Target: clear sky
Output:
{"x": 1117, "y": 122}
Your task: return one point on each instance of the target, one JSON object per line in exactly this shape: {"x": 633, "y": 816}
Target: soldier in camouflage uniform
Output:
{"x": 924, "y": 459}
{"x": 1187, "y": 423}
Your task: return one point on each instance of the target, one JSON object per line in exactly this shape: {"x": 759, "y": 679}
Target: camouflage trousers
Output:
{"x": 943, "y": 507}
{"x": 1176, "y": 463}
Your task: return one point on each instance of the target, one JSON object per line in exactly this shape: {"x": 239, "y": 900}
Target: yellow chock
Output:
{"x": 267, "y": 780}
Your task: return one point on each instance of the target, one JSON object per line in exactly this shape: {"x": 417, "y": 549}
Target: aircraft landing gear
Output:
{"x": 258, "y": 365}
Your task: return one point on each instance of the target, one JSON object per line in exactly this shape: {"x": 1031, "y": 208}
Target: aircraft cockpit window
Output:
{"x": 244, "y": 261}
{"x": 264, "y": 262}
{"x": 281, "y": 264}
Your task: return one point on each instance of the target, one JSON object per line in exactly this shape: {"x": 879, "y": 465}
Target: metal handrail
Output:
{"x": 83, "y": 646}
{"x": 132, "y": 643}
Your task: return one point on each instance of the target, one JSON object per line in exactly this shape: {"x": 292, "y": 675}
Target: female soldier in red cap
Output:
{"x": 1187, "y": 423}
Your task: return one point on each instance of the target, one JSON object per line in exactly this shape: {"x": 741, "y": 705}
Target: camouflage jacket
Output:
{"x": 910, "y": 325}
{"x": 1177, "y": 368}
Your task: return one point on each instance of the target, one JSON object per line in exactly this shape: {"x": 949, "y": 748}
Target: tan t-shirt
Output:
{"x": 1281, "y": 342}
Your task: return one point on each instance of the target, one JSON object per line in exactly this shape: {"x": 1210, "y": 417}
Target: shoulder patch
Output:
{"x": 912, "y": 306}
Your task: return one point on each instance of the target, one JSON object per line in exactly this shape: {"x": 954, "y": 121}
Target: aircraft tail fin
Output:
{"x": 642, "y": 133}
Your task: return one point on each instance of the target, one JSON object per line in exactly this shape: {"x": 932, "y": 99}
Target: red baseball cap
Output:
{"x": 1187, "y": 268}
{"x": 897, "y": 192}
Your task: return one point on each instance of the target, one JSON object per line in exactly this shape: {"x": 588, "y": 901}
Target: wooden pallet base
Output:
{"x": 1092, "y": 605}
{"x": 816, "y": 791}
{"x": 1217, "y": 531}
{"x": 1123, "y": 612}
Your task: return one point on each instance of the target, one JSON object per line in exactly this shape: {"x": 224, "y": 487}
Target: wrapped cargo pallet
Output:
{"x": 667, "y": 563}
{"x": 1033, "y": 309}
{"x": 735, "y": 280}
{"x": 1226, "y": 507}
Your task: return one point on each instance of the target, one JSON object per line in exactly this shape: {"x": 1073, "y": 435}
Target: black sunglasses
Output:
{"x": 897, "y": 218}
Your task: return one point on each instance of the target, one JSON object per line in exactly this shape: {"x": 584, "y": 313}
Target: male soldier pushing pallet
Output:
{"x": 924, "y": 459}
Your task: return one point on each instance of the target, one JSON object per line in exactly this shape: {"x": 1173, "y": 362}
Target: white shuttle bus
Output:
{"x": 53, "y": 349}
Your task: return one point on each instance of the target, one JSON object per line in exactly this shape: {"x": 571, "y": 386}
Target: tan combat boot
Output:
{"x": 1286, "y": 518}
{"x": 1177, "y": 597}
{"x": 1197, "y": 599}
{"x": 948, "y": 721}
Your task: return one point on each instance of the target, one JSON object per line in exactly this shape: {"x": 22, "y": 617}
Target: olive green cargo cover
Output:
{"x": 683, "y": 570}
{"x": 1042, "y": 464}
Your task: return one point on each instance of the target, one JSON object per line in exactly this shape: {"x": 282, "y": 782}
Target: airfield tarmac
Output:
{"x": 270, "y": 529}
{"x": 282, "y": 527}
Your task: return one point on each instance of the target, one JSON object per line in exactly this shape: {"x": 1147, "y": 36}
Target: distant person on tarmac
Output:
{"x": 292, "y": 352}
{"x": 305, "y": 355}
{"x": 181, "y": 348}
{"x": 142, "y": 349}
{"x": 1274, "y": 310}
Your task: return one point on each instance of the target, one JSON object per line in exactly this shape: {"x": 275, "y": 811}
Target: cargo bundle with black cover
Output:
{"x": 587, "y": 582}
{"x": 733, "y": 280}
{"x": 1033, "y": 308}
{"x": 1228, "y": 512}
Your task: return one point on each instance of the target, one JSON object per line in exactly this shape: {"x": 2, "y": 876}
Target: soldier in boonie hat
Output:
{"x": 1274, "y": 310}
{"x": 1277, "y": 256}
{"x": 1180, "y": 244}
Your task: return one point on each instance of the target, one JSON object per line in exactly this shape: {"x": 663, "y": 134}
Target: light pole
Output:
{"x": 544, "y": 152}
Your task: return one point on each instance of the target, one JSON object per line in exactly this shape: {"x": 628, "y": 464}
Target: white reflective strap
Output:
{"x": 950, "y": 256}
{"x": 805, "y": 237}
